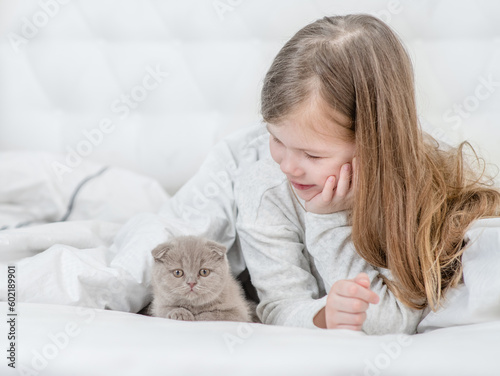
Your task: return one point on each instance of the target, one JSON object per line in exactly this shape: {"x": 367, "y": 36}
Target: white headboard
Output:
{"x": 151, "y": 85}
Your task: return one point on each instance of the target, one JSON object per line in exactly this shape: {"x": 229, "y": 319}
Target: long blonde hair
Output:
{"x": 414, "y": 201}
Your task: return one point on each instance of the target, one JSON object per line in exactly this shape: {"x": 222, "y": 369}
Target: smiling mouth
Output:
{"x": 301, "y": 187}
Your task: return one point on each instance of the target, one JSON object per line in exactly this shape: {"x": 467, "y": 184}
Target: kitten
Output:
{"x": 191, "y": 281}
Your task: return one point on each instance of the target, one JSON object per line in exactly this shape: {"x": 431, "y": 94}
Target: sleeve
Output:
{"x": 280, "y": 271}
{"x": 328, "y": 239}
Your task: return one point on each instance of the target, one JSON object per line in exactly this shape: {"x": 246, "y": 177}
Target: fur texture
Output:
{"x": 191, "y": 281}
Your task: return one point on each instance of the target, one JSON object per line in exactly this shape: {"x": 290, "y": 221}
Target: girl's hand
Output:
{"x": 347, "y": 303}
{"x": 335, "y": 198}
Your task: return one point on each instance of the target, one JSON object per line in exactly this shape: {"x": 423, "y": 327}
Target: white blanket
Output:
{"x": 89, "y": 259}
{"x": 60, "y": 231}
{"x": 35, "y": 190}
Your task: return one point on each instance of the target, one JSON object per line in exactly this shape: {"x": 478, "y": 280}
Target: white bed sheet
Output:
{"x": 62, "y": 340}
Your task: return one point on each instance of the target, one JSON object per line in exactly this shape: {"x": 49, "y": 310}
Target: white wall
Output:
{"x": 66, "y": 65}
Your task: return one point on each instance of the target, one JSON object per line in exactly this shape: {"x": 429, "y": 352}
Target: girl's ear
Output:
{"x": 219, "y": 249}
{"x": 161, "y": 250}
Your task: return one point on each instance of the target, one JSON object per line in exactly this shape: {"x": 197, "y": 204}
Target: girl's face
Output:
{"x": 307, "y": 157}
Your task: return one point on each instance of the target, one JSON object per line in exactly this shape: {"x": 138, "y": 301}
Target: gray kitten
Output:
{"x": 191, "y": 281}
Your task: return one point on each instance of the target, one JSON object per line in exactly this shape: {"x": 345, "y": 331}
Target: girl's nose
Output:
{"x": 290, "y": 165}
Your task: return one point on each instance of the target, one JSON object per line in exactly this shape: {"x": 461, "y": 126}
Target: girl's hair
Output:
{"x": 414, "y": 201}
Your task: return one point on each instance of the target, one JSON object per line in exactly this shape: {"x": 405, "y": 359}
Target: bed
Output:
{"x": 62, "y": 340}
{"x": 108, "y": 108}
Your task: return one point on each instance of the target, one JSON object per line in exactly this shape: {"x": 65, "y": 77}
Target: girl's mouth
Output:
{"x": 301, "y": 187}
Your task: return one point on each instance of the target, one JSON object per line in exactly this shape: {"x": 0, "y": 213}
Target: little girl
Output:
{"x": 339, "y": 102}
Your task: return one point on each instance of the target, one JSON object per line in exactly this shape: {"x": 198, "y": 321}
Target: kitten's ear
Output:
{"x": 219, "y": 249}
{"x": 161, "y": 250}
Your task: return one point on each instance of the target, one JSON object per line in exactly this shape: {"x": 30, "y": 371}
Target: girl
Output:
{"x": 339, "y": 102}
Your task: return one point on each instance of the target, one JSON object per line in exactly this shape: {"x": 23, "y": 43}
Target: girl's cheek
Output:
{"x": 275, "y": 152}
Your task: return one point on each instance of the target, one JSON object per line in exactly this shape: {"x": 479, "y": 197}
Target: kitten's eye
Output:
{"x": 204, "y": 272}
{"x": 178, "y": 273}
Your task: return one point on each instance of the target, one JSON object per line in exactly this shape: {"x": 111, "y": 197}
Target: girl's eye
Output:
{"x": 204, "y": 272}
{"x": 308, "y": 156}
{"x": 276, "y": 140}
{"x": 178, "y": 273}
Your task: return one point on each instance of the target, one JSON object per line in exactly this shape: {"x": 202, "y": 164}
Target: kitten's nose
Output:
{"x": 191, "y": 284}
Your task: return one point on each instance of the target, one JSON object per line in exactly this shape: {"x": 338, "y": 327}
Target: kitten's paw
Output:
{"x": 180, "y": 314}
